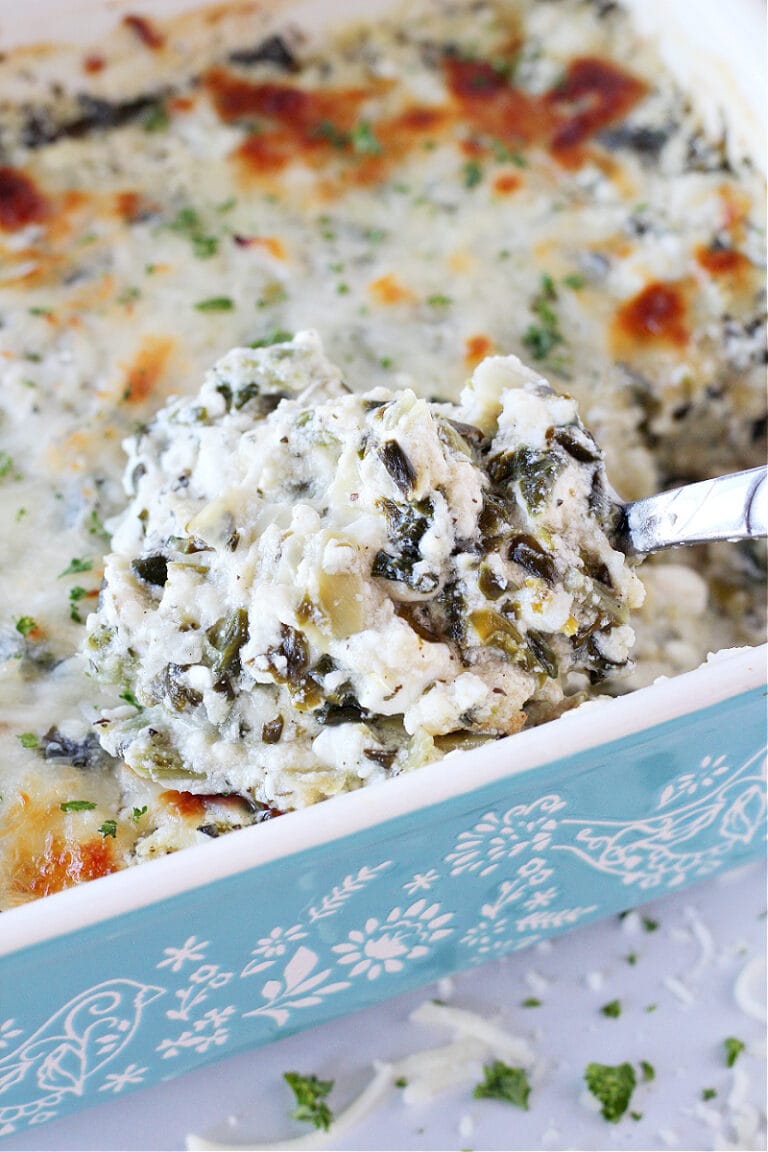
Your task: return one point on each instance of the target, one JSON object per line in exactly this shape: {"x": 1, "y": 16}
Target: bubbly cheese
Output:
{"x": 427, "y": 190}
{"x": 311, "y": 586}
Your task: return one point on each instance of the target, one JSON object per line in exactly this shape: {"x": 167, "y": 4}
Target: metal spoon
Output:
{"x": 732, "y": 507}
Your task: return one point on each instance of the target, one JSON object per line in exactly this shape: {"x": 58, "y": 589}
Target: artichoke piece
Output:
{"x": 495, "y": 631}
{"x": 341, "y": 599}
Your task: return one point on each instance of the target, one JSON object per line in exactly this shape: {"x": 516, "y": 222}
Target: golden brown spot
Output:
{"x": 593, "y": 94}
{"x": 144, "y": 31}
{"x": 128, "y": 206}
{"x": 506, "y": 183}
{"x": 723, "y": 261}
{"x": 62, "y": 864}
{"x": 388, "y": 290}
{"x": 147, "y": 368}
{"x": 21, "y": 201}
{"x": 42, "y": 850}
{"x": 195, "y": 806}
{"x": 94, "y": 64}
{"x": 476, "y": 349}
{"x": 180, "y": 104}
{"x": 655, "y": 315}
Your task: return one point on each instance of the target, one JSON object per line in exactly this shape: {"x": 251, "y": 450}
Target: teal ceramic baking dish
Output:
{"x": 145, "y": 974}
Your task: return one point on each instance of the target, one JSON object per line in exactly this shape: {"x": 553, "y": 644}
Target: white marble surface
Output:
{"x": 686, "y": 968}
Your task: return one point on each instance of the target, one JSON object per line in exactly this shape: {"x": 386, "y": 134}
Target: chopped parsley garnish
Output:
{"x": 278, "y": 336}
{"x": 108, "y": 828}
{"x": 27, "y": 740}
{"x": 612, "y": 1086}
{"x": 95, "y": 527}
{"x": 25, "y": 625}
{"x": 76, "y": 565}
{"x": 439, "y": 300}
{"x": 77, "y": 806}
{"x": 648, "y": 1071}
{"x": 138, "y": 813}
{"x": 612, "y": 1009}
{"x": 401, "y": 1082}
{"x": 708, "y": 1093}
{"x": 129, "y": 698}
{"x": 650, "y": 924}
{"x": 328, "y": 131}
{"x": 216, "y": 304}
{"x": 156, "y": 119}
{"x": 504, "y": 1083}
{"x": 531, "y": 1002}
{"x": 310, "y": 1096}
{"x": 364, "y": 140}
{"x": 541, "y": 338}
{"x": 6, "y": 465}
{"x": 187, "y": 223}
{"x": 733, "y": 1049}
{"x": 631, "y": 958}
{"x": 76, "y": 594}
{"x": 472, "y": 173}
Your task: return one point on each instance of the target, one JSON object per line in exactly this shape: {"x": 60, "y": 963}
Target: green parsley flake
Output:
{"x": 439, "y": 300}
{"x": 531, "y": 1002}
{"x": 108, "y": 828}
{"x": 612, "y": 1009}
{"x": 648, "y": 1071}
{"x": 278, "y": 336}
{"x": 504, "y": 1083}
{"x": 364, "y": 140}
{"x": 129, "y": 698}
{"x": 76, "y": 565}
{"x": 75, "y": 595}
{"x": 472, "y": 173}
{"x": 27, "y": 740}
{"x": 733, "y": 1049}
{"x": 631, "y": 958}
{"x": 216, "y": 304}
{"x": 156, "y": 119}
{"x": 138, "y": 813}
{"x": 187, "y": 223}
{"x": 25, "y": 625}
{"x": 310, "y": 1103}
{"x": 540, "y": 339}
{"x": 612, "y": 1086}
{"x": 708, "y": 1093}
{"x": 77, "y": 806}
{"x": 650, "y": 924}
{"x": 6, "y": 465}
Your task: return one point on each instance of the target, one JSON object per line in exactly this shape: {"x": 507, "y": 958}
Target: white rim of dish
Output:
{"x": 726, "y": 675}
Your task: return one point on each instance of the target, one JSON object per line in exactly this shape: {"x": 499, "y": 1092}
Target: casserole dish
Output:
{"x": 269, "y": 931}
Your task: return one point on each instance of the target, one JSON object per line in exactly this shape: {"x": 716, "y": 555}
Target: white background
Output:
{"x": 687, "y": 967}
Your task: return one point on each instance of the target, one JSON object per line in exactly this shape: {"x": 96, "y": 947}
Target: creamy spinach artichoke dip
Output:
{"x": 348, "y": 553}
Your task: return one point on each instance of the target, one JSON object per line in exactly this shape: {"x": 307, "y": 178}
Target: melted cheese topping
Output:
{"x": 461, "y": 180}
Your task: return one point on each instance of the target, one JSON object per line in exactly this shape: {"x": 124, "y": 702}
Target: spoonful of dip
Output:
{"x": 312, "y": 588}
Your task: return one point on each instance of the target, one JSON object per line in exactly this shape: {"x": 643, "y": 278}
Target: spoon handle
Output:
{"x": 733, "y": 507}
